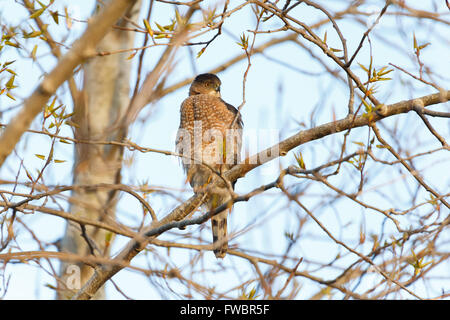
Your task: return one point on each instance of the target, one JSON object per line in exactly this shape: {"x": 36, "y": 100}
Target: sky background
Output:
{"x": 279, "y": 102}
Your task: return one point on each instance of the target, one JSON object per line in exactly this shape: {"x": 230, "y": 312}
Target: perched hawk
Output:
{"x": 209, "y": 137}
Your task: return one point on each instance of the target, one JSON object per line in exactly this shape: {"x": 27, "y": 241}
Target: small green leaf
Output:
{"x": 131, "y": 56}
{"x": 147, "y": 26}
{"x": 33, "y": 52}
{"x": 6, "y": 37}
{"x": 12, "y": 44}
{"x": 364, "y": 68}
{"x": 68, "y": 18}
{"x": 32, "y": 34}
{"x": 71, "y": 123}
{"x": 64, "y": 141}
{"x": 161, "y": 28}
{"x": 108, "y": 236}
{"x": 289, "y": 236}
{"x": 178, "y": 18}
{"x": 423, "y": 46}
{"x": 10, "y": 84}
{"x": 382, "y": 72}
{"x": 37, "y": 13}
{"x": 51, "y": 108}
{"x": 55, "y": 16}
{"x": 249, "y": 296}
{"x": 68, "y": 115}
{"x": 208, "y": 17}
{"x": 29, "y": 175}
{"x": 368, "y": 107}
{"x": 7, "y": 63}
{"x": 162, "y": 35}
{"x": 432, "y": 199}
{"x": 10, "y": 96}
{"x": 41, "y": 4}
{"x": 50, "y": 286}
{"x": 170, "y": 27}
{"x": 200, "y": 52}
{"x": 299, "y": 159}
{"x": 40, "y": 156}
{"x": 376, "y": 243}
{"x": 244, "y": 41}
{"x": 418, "y": 264}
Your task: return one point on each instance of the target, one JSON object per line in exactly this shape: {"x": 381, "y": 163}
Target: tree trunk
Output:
{"x": 104, "y": 98}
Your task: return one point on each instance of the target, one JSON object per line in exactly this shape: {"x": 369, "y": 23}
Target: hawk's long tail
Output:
{"x": 219, "y": 231}
{"x": 219, "y": 227}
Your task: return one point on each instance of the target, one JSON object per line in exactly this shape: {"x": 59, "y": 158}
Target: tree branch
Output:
{"x": 81, "y": 49}
{"x": 330, "y": 128}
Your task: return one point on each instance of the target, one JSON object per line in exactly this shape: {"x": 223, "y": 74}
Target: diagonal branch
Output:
{"x": 408, "y": 167}
{"x": 328, "y": 129}
{"x": 419, "y": 111}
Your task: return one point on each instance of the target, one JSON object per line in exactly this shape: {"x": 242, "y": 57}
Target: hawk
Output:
{"x": 209, "y": 139}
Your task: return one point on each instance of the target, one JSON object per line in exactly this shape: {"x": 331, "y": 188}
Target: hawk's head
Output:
{"x": 206, "y": 83}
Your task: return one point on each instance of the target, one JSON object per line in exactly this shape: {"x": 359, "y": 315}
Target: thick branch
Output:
{"x": 330, "y": 128}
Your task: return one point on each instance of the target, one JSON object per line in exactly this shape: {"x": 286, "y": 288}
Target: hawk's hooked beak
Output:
{"x": 216, "y": 92}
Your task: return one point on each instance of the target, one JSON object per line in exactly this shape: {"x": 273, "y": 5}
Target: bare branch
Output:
{"x": 82, "y": 48}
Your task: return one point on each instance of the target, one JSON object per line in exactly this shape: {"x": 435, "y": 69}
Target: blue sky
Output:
{"x": 279, "y": 99}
